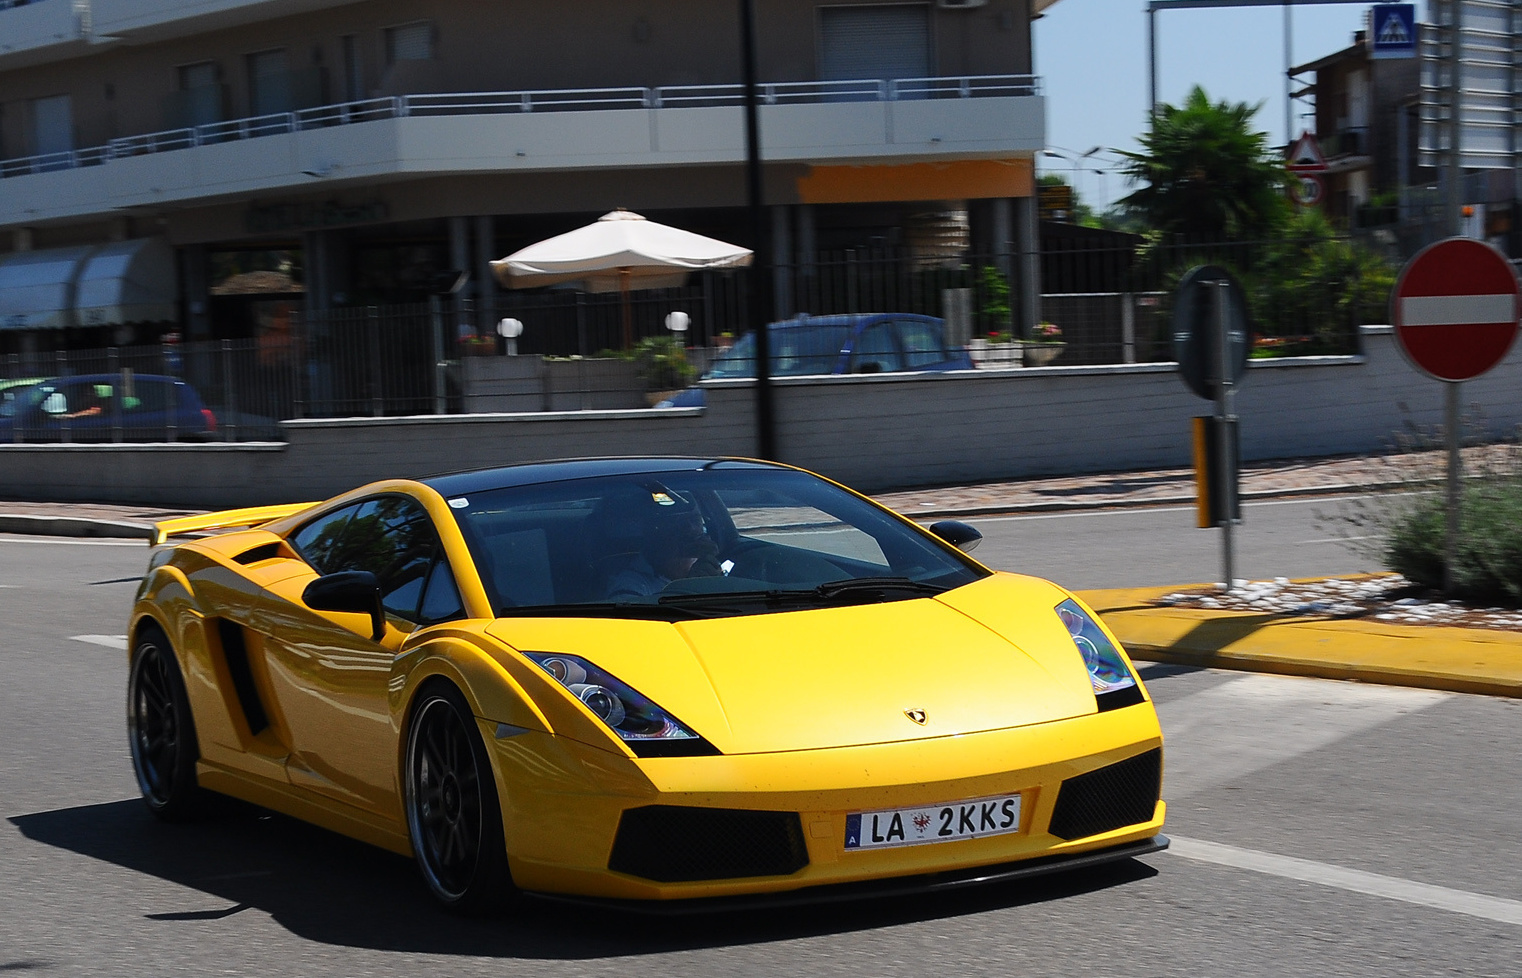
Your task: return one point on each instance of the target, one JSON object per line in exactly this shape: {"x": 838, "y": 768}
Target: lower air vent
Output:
{"x": 669, "y": 844}
{"x": 235, "y": 653}
{"x": 1109, "y": 798}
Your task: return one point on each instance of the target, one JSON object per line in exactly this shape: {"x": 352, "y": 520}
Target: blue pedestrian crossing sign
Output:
{"x": 1392, "y": 30}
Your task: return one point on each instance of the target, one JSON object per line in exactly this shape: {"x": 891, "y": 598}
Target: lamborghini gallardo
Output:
{"x": 658, "y": 682}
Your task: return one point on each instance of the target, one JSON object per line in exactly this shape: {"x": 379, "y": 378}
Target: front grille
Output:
{"x": 670, "y": 844}
{"x": 1110, "y": 798}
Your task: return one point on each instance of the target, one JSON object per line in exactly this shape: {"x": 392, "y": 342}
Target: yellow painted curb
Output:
{"x": 1466, "y": 660}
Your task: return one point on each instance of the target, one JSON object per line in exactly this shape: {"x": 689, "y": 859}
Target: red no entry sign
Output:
{"x": 1455, "y": 308}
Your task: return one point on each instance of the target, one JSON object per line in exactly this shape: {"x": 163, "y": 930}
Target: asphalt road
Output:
{"x": 1323, "y": 829}
{"x": 1162, "y": 546}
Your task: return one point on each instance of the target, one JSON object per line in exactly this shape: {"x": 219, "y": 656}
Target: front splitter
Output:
{"x": 872, "y": 889}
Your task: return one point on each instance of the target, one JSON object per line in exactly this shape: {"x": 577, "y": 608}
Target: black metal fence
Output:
{"x": 578, "y": 350}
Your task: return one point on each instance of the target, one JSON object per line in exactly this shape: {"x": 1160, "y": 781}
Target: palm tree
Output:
{"x": 1206, "y": 174}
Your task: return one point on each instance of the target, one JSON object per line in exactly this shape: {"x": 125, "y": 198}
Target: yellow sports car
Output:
{"x": 639, "y": 679}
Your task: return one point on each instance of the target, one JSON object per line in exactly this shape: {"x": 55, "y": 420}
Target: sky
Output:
{"x": 1092, "y": 59}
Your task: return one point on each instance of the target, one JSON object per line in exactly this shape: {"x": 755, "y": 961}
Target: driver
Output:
{"x": 673, "y": 543}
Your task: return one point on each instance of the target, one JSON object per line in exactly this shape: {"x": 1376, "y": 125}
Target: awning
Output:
{"x": 89, "y": 285}
{"x": 128, "y": 282}
{"x": 37, "y": 288}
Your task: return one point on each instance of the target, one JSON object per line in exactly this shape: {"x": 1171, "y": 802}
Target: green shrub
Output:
{"x": 1487, "y": 566}
{"x": 662, "y": 362}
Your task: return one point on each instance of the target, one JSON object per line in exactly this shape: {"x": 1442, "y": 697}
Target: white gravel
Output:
{"x": 1387, "y": 598}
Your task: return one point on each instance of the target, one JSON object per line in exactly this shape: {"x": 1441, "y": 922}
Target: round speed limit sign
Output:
{"x": 1307, "y": 190}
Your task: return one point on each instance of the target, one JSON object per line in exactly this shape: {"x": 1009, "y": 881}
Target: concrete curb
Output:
{"x": 74, "y": 526}
{"x": 1462, "y": 660}
{"x": 1081, "y": 505}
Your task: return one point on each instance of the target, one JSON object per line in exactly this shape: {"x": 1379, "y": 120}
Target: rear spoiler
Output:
{"x": 227, "y": 519}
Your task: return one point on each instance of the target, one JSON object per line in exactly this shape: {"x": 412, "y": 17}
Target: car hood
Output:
{"x": 986, "y": 656}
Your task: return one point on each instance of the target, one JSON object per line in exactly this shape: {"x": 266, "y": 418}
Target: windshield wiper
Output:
{"x": 601, "y": 609}
{"x": 870, "y": 585}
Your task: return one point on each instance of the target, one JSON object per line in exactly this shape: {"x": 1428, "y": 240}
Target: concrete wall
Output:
{"x": 873, "y": 432}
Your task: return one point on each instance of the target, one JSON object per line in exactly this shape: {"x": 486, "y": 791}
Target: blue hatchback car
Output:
{"x": 862, "y": 343}
{"x": 106, "y": 407}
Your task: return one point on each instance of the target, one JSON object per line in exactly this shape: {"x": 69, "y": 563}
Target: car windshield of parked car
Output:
{"x": 796, "y": 351}
{"x": 723, "y": 539}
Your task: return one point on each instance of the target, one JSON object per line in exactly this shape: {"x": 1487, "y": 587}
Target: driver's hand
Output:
{"x": 707, "y": 562}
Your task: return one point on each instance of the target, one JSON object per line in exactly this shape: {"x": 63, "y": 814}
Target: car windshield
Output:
{"x": 796, "y": 351}
{"x": 19, "y": 399}
{"x": 723, "y": 538}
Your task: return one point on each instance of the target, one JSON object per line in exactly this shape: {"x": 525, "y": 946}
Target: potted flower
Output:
{"x": 1045, "y": 344}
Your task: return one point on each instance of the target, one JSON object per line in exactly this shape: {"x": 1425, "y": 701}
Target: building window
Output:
{"x": 50, "y": 125}
{"x": 354, "y": 69}
{"x": 199, "y": 100}
{"x": 409, "y": 42}
{"x": 874, "y": 41}
{"x": 269, "y": 82}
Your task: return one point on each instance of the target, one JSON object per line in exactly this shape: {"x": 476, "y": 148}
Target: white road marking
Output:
{"x": 1498, "y": 909}
{"x": 109, "y": 641}
{"x": 1232, "y": 730}
{"x": 73, "y": 542}
{"x": 1141, "y": 509}
{"x": 1457, "y": 310}
{"x": 1337, "y": 539}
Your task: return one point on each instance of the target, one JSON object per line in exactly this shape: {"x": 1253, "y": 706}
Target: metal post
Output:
{"x": 377, "y": 377}
{"x": 436, "y": 314}
{"x": 1289, "y": 63}
{"x": 1455, "y": 473}
{"x": 766, "y": 432}
{"x": 1128, "y": 327}
{"x": 1225, "y": 416}
{"x": 114, "y": 359}
{"x": 230, "y": 392}
{"x": 1454, "y": 171}
{"x": 1151, "y": 63}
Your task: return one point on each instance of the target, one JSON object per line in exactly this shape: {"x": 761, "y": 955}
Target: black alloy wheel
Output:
{"x": 453, "y": 817}
{"x": 160, "y": 731}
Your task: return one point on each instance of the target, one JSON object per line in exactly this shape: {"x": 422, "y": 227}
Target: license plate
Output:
{"x": 925, "y": 824}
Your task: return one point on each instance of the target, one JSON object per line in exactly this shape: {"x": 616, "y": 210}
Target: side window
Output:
{"x": 922, "y": 344}
{"x": 875, "y": 352}
{"x": 392, "y": 538}
{"x": 441, "y": 597}
{"x": 318, "y": 542}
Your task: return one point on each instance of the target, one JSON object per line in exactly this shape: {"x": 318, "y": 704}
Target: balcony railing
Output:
{"x": 549, "y": 100}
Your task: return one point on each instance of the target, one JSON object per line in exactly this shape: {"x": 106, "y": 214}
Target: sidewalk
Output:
{"x": 1460, "y": 659}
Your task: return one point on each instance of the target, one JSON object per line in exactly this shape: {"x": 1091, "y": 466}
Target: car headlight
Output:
{"x": 1107, "y": 670}
{"x": 648, "y": 730}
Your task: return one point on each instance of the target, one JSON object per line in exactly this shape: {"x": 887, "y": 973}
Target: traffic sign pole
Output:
{"x": 1455, "y": 308}
{"x": 1455, "y": 478}
{"x": 1226, "y": 412}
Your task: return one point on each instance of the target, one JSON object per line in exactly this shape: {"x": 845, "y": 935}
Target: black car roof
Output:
{"x": 562, "y": 470}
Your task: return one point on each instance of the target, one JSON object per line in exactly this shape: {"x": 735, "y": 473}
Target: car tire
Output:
{"x": 161, "y": 733}
{"x": 454, "y": 820}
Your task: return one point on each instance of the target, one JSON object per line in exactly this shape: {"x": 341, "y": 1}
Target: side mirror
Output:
{"x": 958, "y": 534}
{"x": 356, "y": 592}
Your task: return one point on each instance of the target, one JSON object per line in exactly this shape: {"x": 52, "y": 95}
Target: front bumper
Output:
{"x": 562, "y": 802}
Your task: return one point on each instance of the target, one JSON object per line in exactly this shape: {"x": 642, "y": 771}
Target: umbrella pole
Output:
{"x": 623, "y": 288}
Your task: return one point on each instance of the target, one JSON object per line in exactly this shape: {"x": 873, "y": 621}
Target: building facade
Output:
{"x": 198, "y": 161}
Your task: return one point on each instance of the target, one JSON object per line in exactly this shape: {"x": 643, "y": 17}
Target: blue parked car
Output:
{"x": 95, "y": 407}
{"x": 863, "y": 343}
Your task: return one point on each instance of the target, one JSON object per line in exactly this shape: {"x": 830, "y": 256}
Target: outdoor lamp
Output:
{"x": 678, "y": 321}
{"x": 510, "y": 330}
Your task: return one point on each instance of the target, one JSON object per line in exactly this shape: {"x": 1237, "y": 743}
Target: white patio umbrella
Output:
{"x": 618, "y": 252}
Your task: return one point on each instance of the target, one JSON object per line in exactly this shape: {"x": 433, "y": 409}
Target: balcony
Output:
{"x": 414, "y": 136}
{"x": 35, "y": 31}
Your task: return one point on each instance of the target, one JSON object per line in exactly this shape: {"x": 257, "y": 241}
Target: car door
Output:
{"x": 71, "y": 409}
{"x": 924, "y": 345}
{"x": 876, "y": 349}
{"x": 328, "y": 676}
